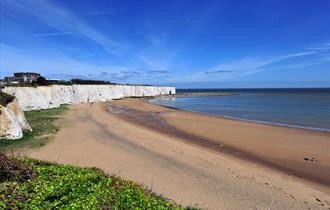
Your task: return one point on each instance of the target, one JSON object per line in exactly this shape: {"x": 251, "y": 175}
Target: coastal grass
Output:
{"x": 5, "y": 99}
{"x": 47, "y": 185}
{"x": 43, "y": 123}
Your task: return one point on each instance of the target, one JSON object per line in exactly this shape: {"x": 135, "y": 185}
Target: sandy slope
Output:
{"x": 187, "y": 173}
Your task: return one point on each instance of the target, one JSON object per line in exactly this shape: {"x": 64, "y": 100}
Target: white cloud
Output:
{"x": 62, "y": 19}
{"x": 53, "y": 63}
{"x": 308, "y": 63}
{"x": 63, "y": 22}
{"x": 252, "y": 65}
{"x": 56, "y": 65}
{"x": 158, "y": 39}
{"x": 53, "y": 34}
{"x": 319, "y": 47}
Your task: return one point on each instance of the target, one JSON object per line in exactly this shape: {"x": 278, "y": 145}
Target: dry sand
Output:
{"x": 197, "y": 159}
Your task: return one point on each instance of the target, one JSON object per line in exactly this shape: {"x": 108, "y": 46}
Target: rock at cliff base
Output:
{"x": 9, "y": 125}
{"x": 12, "y": 121}
{"x": 19, "y": 115}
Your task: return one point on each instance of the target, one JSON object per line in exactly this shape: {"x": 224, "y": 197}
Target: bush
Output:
{"x": 90, "y": 82}
{"x": 42, "y": 81}
{"x": 68, "y": 187}
{"x": 5, "y": 98}
{"x": 14, "y": 170}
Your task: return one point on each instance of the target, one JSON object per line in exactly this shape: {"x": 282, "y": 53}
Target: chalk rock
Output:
{"x": 12, "y": 121}
{"x": 18, "y": 112}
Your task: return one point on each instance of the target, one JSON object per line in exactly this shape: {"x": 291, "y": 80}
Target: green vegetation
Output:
{"x": 42, "y": 81}
{"x": 91, "y": 82}
{"x": 47, "y": 185}
{"x": 5, "y": 98}
{"x": 43, "y": 123}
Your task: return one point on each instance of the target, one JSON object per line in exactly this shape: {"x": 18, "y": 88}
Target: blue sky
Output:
{"x": 189, "y": 44}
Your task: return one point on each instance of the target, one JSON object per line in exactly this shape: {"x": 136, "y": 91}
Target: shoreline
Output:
{"x": 249, "y": 120}
{"x": 239, "y": 154}
{"x": 200, "y": 94}
{"x": 234, "y": 151}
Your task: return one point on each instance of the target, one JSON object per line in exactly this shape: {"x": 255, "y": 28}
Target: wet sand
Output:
{"x": 197, "y": 159}
{"x": 299, "y": 152}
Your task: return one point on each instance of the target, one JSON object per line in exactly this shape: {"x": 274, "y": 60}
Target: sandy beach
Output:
{"x": 195, "y": 159}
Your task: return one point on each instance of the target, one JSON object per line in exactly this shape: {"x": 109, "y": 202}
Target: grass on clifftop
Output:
{"x": 43, "y": 123}
{"x": 33, "y": 184}
{"x": 5, "y": 99}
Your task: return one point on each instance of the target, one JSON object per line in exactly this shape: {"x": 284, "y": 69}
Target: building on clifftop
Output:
{"x": 26, "y": 77}
{"x": 21, "y": 78}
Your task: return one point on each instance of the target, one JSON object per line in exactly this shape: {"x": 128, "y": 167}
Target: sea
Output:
{"x": 307, "y": 108}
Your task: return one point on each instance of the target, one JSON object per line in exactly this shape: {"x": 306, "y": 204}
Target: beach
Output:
{"x": 194, "y": 158}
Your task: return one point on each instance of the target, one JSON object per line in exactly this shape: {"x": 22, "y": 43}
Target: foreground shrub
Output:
{"x": 70, "y": 187}
{"x": 14, "y": 170}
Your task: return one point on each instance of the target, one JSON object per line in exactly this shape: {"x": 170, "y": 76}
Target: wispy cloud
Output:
{"x": 155, "y": 64}
{"x": 252, "y": 65}
{"x": 319, "y": 47}
{"x": 283, "y": 57}
{"x": 158, "y": 72}
{"x": 218, "y": 71}
{"x": 313, "y": 62}
{"x": 123, "y": 76}
{"x": 61, "y": 19}
{"x": 45, "y": 64}
{"x": 104, "y": 12}
{"x": 64, "y": 67}
{"x": 53, "y": 34}
{"x": 158, "y": 39}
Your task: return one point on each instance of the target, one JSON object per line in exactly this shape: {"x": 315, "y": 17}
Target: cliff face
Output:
{"x": 44, "y": 97}
{"x": 12, "y": 121}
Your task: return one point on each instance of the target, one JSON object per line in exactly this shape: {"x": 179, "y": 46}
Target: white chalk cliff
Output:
{"x": 12, "y": 121}
{"x": 44, "y": 97}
